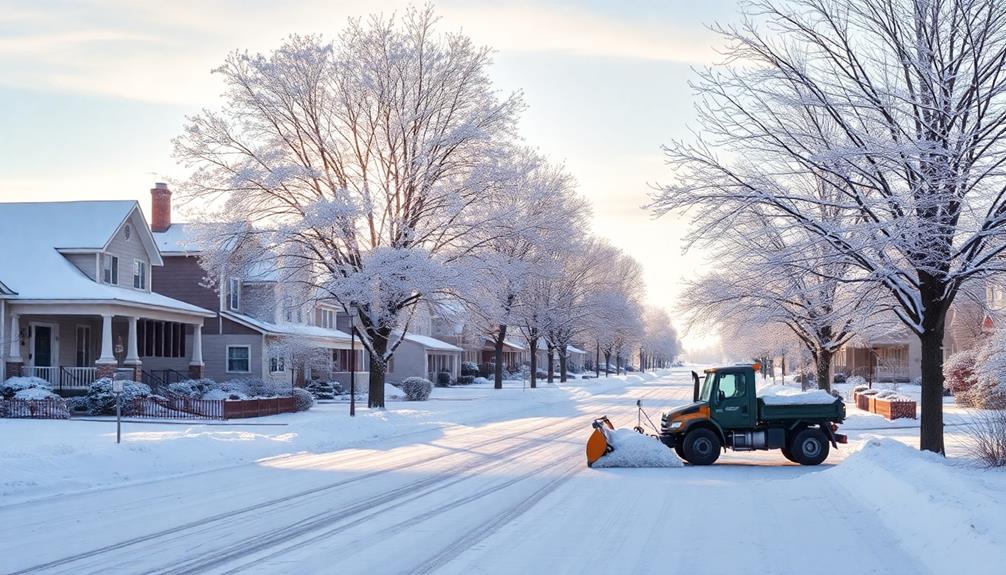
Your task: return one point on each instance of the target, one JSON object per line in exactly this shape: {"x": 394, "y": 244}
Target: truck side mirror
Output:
{"x": 695, "y": 387}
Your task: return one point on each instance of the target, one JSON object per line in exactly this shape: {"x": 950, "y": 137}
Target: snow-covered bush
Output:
{"x": 856, "y": 381}
{"x": 466, "y": 379}
{"x": 190, "y": 388}
{"x": 986, "y": 393}
{"x": 101, "y": 400}
{"x": 255, "y": 387}
{"x": 323, "y": 389}
{"x": 469, "y": 368}
{"x": 482, "y": 381}
{"x": 417, "y": 388}
{"x": 35, "y": 394}
{"x": 303, "y": 400}
{"x": 443, "y": 379}
{"x": 219, "y": 394}
{"x": 959, "y": 374}
{"x": 15, "y": 384}
{"x": 77, "y": 404}
{"x": 989, "y": 388}
{"x": 839, "y": 377}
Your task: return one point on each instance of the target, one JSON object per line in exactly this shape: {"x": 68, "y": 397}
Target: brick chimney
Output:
{"x": 160, "y": 207}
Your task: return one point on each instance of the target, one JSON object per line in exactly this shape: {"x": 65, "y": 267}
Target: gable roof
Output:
{"x": 32, "y": 235}
{"x": 430, "y": 342}
{"x": 286, "y": 328}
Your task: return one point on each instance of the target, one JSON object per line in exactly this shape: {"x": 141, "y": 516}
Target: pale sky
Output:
{"x": 92, "y": 92}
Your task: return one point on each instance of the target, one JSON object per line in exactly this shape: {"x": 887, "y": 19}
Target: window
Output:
{"x": 139, "y": 274}
{"x": 291, "y": 312}
{"x": 110, "y": 270}
{"x": 160, "y": 338}
{"x": 277, "y": 364}
{"x": 238, "y": 359}
{"x": 342, "y": 360}
{"x": 127, "y": 231}
{"x": 327, "y": 318}
{"x": 84, "y": 346}
{"x": 234, "y": 294}
{"x": 731, "y": 385}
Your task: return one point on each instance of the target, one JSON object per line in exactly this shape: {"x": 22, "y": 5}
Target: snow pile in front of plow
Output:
{"x": 782, "y": 395}
{"x": 634, "y": 449}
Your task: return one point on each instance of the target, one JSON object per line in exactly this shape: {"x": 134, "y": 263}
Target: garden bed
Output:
{"x": 886, "y": 407}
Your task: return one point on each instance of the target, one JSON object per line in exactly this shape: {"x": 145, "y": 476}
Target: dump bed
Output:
{"x": 834, "y": 412}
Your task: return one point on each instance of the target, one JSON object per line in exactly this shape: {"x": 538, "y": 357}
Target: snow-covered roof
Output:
{"x": 33, "y": 235}
{"x": 431, "y": 342}
{"x": 176, "y": 240}
{"x": 573, "y": 349}
{"x": 286, "y": 328}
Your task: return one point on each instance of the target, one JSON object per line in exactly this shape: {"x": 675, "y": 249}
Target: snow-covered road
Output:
{"x": 510, "y": 496}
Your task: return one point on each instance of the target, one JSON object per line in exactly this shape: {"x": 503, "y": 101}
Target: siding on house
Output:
{"x": 86, "y": 263}
{"x": 180, "y": 278}
{"x": 215, "y": 355}
{"x": 128, "y": 250}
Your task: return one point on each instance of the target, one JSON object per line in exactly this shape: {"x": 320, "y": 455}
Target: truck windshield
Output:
{"x": 707, "y": 387}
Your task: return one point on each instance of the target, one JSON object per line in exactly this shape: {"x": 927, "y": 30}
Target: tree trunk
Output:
{"x": 824, "y": 369}
{"x": 498, "y": 349}
{"x": 597, "y": 361}
{"x": 607, "y": 363}
{"x": 931, "y": 431}
{"x": 533, "y": 347}
{"x": 378, "y": 367}
{"x": 642, "y": 361}
{"x": 551, "y": 363}
{"x": 562, "y": 367}
{"x": 618, "y": 363}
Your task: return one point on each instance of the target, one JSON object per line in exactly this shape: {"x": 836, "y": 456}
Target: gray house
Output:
{"x": 256, "y": 329}
{"x": 77, "y": 297}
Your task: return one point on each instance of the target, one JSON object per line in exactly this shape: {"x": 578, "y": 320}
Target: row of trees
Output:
{"x": 860, "y": 144}
{"x": 383, "y": 172}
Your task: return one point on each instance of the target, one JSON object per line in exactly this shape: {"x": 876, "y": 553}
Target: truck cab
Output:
{"x": 727, "y": 413}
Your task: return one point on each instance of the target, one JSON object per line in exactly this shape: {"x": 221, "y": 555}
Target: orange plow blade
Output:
{"x": 597, "y": 443}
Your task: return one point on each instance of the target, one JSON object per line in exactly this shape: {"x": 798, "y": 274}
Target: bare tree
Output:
{"x": 896, "y": 104}
{"x": 366, "y": 163}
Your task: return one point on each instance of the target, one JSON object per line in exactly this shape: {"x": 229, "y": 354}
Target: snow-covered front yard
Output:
{"x": 482, "y": 481}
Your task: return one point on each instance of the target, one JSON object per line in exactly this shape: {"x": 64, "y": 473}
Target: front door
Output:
{"x": 731, "y": 402}
{"x": 42, "y": 346}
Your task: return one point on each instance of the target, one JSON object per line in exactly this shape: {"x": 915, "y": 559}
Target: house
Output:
{"x": 420, "y": 354}
{"x": 895, "y": 355}
{"x": 257, "y": 328}
{"x": 575, "y": 358}
{"x": 448, "y": 323}
{"x": 78, "y": 297}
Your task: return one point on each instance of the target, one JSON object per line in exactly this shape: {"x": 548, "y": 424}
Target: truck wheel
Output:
{"x": 788, "y": 454}
{"x": 679, "y": 448}
{"x": 809, "y": 447}
{"x": 701, "y": 447}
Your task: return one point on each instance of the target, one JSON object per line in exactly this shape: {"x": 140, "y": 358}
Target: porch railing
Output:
{"x": 63, "y": 377}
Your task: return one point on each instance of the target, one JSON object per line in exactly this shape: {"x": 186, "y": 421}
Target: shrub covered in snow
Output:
{"x": 36, "y": 394}
{"x": 988, "y": 390}
{"x": 986, "y": 393}
{"x": 190, "y": 388}
{"x": 443, "y": 379}
{"x": 77, "y": 404}
{"x": 856, "y": 381}
{"x": 959, "y": 374}
{"x": 219, "y": 394}
{"x": 323, "y": 389}
{"x": 469, "y": 368}
{"x": 302, "y": 399}
{"x": 101, "y": 400}
{"x": 839, "y": 377}
{"x": 466, "y": 379}
{"x": 417, "y": 388}
{"x": 482, "y": 381}
{"x": 15, "y": 384}
{"x": 255, "y": 387}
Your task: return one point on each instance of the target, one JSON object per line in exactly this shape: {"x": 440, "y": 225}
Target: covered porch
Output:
{"x": 73, "y": 345}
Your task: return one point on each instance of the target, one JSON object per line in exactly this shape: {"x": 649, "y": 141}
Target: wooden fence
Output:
{"x": 185, "y": 408}
{"x": 34, "y": 408}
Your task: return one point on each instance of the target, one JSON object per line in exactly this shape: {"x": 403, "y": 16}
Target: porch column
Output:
{"x": 132, "y": 354}
{"x": 106, "y": 364}
{"x": 196, "y": 364}
{"x": 12, "y": 366}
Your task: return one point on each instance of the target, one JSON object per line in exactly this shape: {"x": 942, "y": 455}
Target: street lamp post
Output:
{"x": 117, "y": 390}
{"x": 352, "y": 371}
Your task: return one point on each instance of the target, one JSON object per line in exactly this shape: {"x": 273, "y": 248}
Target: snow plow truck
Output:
{"x": 726, "y": 413}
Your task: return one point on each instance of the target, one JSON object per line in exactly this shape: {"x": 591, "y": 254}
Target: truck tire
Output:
{"x": 788, "y": 454}
{"x": 809, "y": 447}
{"x": 701, "y": 447}
{"x": 679, "y": 448}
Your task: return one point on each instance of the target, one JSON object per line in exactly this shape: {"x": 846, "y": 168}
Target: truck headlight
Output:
{"x": 676, "y": 425}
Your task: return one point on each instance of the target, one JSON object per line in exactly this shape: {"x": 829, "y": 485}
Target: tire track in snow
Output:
{"x": 208, "y": 521}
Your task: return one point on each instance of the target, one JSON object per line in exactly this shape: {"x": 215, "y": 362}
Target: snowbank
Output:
{"x": 637, "y": 450}
{"x": 947, "y": 515}
{"x": 782, "y": 395}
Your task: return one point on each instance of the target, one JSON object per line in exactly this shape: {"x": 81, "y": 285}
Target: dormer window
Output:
{"x": 110, "y": 270}
{"x": 234, "y": 294}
